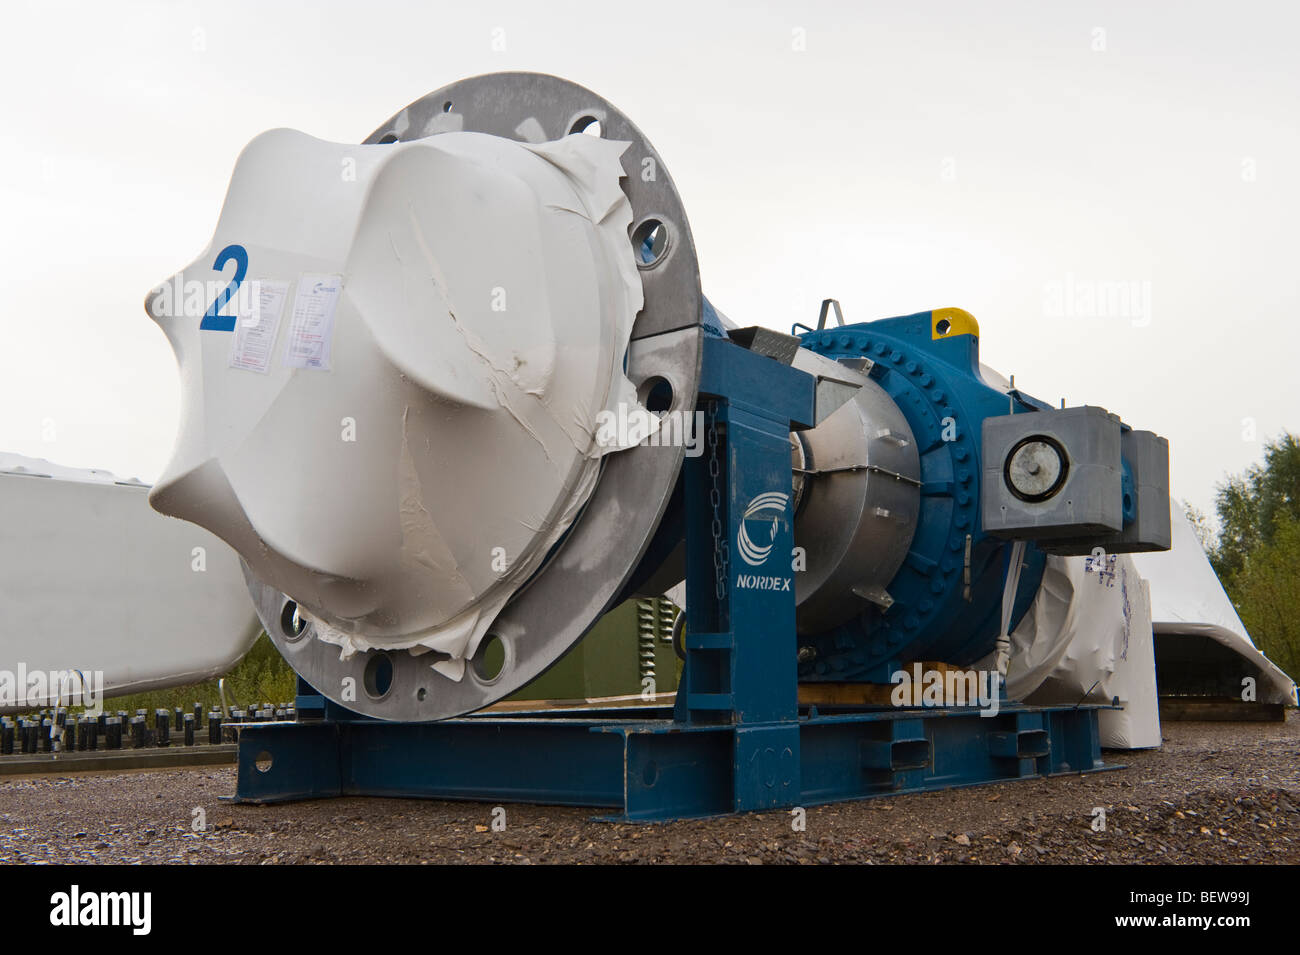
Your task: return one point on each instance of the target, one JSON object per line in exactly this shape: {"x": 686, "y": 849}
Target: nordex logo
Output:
{"x": 773, "y": 502}
{"x": 760, "y": 522}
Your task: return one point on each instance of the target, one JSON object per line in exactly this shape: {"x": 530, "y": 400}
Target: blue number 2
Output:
{"x": 226, "y": 323}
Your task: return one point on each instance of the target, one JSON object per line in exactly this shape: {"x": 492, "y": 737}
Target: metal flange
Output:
{"x": 589, "y": 568}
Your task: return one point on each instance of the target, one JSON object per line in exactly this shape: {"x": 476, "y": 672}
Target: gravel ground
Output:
{"x": 1214, "y": 793}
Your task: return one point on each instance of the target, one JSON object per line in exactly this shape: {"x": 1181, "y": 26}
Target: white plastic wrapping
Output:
{"x": 421, "y": 438}
{"x": 1087, "y": 639}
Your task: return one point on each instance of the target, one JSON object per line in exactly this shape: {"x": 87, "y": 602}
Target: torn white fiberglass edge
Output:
{"x": 403, "y": 487}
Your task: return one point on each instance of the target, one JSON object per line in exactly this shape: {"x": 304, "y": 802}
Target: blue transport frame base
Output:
{"x": 653, "y": 769}
{"x": 736, "y": 739}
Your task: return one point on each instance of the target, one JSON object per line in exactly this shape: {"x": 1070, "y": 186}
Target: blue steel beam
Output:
{"x": 655, "y": 770}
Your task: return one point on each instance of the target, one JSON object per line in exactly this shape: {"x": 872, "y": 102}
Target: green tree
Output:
{"x": 1268, "y": 598}
{"x": 1257, "y": 555}
{"x": 1252, "y": 506}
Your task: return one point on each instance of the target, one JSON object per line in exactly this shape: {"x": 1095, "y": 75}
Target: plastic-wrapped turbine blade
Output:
{"x": 392, "y": 412}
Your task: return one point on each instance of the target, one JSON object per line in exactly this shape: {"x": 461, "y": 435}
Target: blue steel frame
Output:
{"x": 737, "y": 739}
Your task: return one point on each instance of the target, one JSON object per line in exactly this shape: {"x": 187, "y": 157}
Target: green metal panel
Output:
{"x": 631, "y": 643}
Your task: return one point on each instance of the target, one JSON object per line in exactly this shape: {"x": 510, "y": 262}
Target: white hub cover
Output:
{"x": 403, "y": 419}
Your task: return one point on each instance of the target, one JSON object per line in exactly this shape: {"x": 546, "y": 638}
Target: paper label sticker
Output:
{"x": 258, "y": 324}
{"x": 311, "y": 325}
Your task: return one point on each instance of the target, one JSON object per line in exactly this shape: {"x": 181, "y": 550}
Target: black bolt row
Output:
{"x": 55, "y": 730}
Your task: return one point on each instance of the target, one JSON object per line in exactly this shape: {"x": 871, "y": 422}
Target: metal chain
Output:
{"x": 721, "y": 550}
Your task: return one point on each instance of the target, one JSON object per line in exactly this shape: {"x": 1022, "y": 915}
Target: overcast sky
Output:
{"x": 1014, "y": 159}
